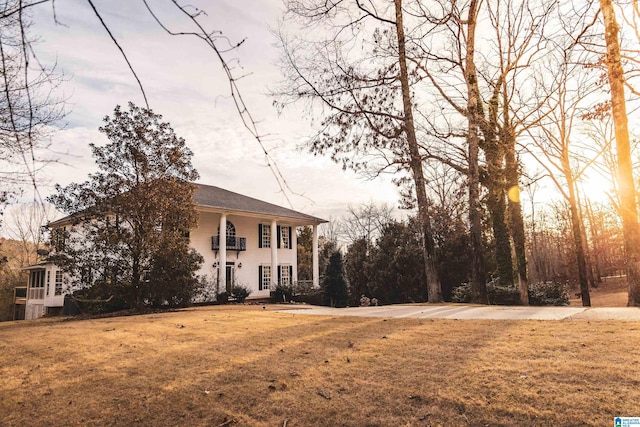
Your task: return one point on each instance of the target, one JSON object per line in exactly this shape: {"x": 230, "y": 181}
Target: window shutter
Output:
{"x": 259, "y": 277}
{"x": 260, "y": 244}
{"x": 290, "y": 241}
{"x": 279, "y": 275}
{"x": 290, "y": 274}
{"x": 279, "y": 230}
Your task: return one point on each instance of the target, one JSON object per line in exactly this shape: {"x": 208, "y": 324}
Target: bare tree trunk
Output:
{"x": 474, "y": 112}
{"x": 588, "y": 254}
{"x": 628, "y": 207}
{"x": 596, "y": 247}
{"x": 493, "y": 147}
{"x": 433, "y": 281}
{"x": 516, "y": 222}
{"x": 576, "y": 229}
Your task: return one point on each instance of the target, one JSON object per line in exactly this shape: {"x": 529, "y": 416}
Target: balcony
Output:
{"x": 20, "y": 295}
{"x": 35, "y": 293}
{"x": 233, "y": 243}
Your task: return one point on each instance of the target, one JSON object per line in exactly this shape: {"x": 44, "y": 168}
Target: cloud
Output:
{"x": 186, "y": 84}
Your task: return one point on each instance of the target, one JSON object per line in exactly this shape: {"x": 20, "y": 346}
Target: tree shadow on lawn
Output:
{"x": 208, "y": 367}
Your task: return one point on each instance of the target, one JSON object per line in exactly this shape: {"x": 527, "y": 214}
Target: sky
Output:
{"x": 185, "y": 83}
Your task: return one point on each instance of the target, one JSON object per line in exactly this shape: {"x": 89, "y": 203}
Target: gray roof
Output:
{"x": 219, "y": 198}
{"x": 225, "y": 200}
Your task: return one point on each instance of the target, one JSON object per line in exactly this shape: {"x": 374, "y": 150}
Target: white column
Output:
{"x": 222, "y": 264}
{"x": 314, "y": 258}
{"x": 294, "y": 246}
{"x": 274, "y": 254}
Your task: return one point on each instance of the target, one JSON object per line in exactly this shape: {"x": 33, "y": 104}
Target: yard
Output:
{"x": 245, "y": 366}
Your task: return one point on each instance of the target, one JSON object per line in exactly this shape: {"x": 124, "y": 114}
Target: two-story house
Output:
{"x": 243, "y": 241}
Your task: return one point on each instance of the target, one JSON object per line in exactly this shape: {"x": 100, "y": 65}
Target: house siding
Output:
{"x": 247, "y": 216}
{"x": 251, "y": 259}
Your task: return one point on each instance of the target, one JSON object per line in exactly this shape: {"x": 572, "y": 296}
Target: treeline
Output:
{"x": 381, "y": 255}
{"x": 476, "y": 101}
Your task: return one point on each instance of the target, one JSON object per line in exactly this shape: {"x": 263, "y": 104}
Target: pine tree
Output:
{"x": 335, "y": 286}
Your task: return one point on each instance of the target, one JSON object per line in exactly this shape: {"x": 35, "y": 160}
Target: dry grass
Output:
{"x": 243, "y": 366}
{"x": 612, "y": 292}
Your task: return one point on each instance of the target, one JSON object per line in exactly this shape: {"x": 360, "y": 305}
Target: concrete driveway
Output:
{"x": 462, "y": 311}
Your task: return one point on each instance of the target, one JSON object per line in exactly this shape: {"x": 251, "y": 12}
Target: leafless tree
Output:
{"x": 365, "y": 222}
{"x": 28, "y": 102}
{"x": 24, "y": 225}
{"x": 628, "y": 200}
{"x": 566, "y": 86}
{"x": 368, "y": 95}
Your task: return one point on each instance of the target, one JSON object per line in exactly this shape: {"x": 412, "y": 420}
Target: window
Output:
{"x": 285, "y": 237}
{"x": 36, "y": 285}
{"x": 59, "y": 275}
{"x": 231, "y": 234}
{"x": 264, "y": 235}
{"x": 37, "y": 279}
{"x": 284, "y": 274}
{"x": 264, "y": 277}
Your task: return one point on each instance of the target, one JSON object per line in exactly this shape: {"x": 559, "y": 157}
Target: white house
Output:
{"x": 243, "y": 241}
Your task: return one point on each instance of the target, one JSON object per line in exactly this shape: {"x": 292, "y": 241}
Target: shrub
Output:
{"x": 240, "y": 293}
{"x": 461, "y": 293}
{"x": 544, "y": 293}
{"x": 303, "y": 287}
{"x": 548, "y": 293}
{"x": 502, "y": 295}
{"x": 222, "y": 298}
{"x": 283, "y": 293}
{"x": 314, "y": 297}
{"x": 496, "y": 294}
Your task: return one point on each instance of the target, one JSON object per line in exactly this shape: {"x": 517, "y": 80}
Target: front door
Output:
{"x": 230, "y": 271}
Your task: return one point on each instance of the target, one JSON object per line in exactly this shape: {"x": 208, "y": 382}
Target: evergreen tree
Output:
{"x": 335, "y": 286}
{"x": 130, "y": 219}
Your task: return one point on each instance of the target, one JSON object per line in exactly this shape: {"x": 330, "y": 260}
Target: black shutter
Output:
{"x": 291, "y": 275}
{"x": 290, "y": 241}
{"x": 260, "y": 236}
{"x": 259, "y": 277}
{"x": 278, "y": 228}
{"x": 279, "y": 274}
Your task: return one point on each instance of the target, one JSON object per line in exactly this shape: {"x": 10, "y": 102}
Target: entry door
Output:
{"x": 230, "y": 270}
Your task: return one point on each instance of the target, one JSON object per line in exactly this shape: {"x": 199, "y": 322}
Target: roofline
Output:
{"x": 41, "y": 266}
{"x": 310, "y": 220}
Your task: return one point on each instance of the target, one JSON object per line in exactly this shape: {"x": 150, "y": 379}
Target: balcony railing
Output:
{"x": 20, "y": 295}
{"x": 233, "y": 243}
{"x": 36, "y": 293}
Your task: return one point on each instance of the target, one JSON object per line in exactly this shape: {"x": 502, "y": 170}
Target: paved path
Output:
{"x": 454, "y": 311}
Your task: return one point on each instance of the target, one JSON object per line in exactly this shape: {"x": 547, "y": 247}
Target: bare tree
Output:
{"x": 628, "y": 204}
{"x": 370, "y": 103}
{"x": 365, "y": 222}
{"x": 24, "y": 225}
{"x": 567, "y": 99}
{"x": 28, "y": 104}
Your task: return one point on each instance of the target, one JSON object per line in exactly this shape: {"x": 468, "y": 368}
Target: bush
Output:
{"x": 222, "y": 298}
{"x": 548, "y": 293}
{"x": 545, "y": 293}
{"x": 461, "y": 293}
{"x": 240, "y": 293}
{"x": 502, "y": 295}
{"x": 497, "y": 295}
{"x": 313, "y": 297}
{"x": 283, "y": 293}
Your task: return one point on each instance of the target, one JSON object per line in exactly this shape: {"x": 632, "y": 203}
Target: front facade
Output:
{"x": 243, "y": 241}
